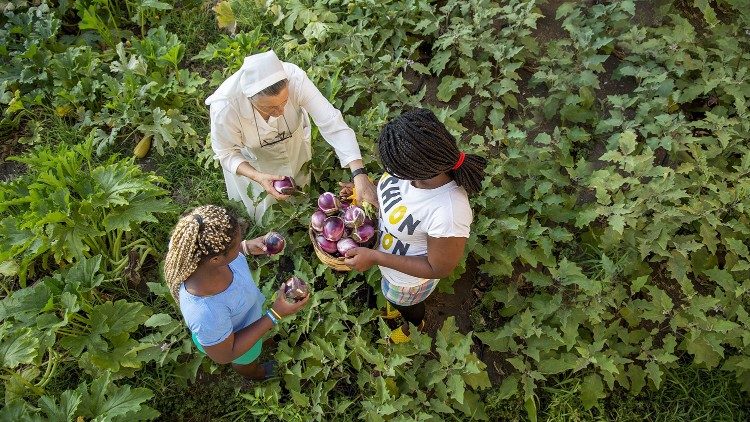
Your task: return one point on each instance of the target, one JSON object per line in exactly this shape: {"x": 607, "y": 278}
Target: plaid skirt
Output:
{"x": 407, "y": 296}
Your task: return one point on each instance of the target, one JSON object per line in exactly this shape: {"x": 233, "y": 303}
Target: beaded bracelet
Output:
{"x": 244, "y": 248}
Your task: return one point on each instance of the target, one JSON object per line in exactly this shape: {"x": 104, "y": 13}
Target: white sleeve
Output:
{"x": 226, "y": 136}
{"x": 327, "y": 117}
{"x": 452, "y": 220}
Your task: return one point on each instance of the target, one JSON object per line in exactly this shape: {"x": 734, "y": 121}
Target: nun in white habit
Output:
{"x": 260, "y": 131}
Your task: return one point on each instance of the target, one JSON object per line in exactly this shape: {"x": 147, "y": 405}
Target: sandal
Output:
{"x": 390, "y": 312}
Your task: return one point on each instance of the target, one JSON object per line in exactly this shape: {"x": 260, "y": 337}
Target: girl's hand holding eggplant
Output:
{"x": 283, "y": 306}
{"x": 361, "y": 259}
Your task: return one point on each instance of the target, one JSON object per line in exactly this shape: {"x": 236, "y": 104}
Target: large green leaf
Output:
{"x": 592, "y": 390}
{"x": 17, "y": 347}
{"x": 448, "y": 87}
{"x": 19, "y": 410}
{"x": 569, "y": 273}
{"x": 141, "y": 209}
{"x": 105, "y": 400}
{"x": 65, "y": 410}
{"x": 119, "y": 317}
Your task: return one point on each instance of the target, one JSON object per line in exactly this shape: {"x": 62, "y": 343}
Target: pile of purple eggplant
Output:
{"x": 340, "y": 226}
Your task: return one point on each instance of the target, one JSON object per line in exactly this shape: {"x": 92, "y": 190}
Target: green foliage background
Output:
{"x": 609, "y": 252}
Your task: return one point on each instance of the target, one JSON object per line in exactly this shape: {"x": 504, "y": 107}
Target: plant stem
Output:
{"x": 51, "y": 366}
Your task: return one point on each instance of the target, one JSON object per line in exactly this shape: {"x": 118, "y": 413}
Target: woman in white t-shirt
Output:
{"x": 424, "y": 213}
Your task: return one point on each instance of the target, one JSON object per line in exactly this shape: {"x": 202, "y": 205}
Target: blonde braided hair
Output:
{"x": 203, "y": 232}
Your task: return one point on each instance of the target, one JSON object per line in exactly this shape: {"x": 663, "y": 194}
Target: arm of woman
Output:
{"x": 238, "y": 343}
{"x": 327, "y": 117}
{"x": 226, "y": 136}
{"x": 365, "y": 188}
{"x": 443, "y": 255}
{"x": 334, "y": 130}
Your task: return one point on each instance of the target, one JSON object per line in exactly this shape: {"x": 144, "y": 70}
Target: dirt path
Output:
{"x": 9, "y": 146}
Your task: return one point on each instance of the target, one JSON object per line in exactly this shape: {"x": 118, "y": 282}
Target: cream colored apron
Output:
{"x": 284, "y": 158}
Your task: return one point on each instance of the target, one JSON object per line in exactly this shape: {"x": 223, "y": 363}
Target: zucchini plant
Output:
{"x": 69, "y": 207}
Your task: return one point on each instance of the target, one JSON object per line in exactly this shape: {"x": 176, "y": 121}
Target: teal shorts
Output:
{"x": 245, "y": 359}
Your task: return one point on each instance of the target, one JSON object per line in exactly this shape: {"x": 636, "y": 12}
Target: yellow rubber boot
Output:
{"x": 398, "y": 335}
{"x": 390, "y": 312}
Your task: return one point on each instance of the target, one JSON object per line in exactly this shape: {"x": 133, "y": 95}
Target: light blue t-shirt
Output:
{"x": 213, "y": 318}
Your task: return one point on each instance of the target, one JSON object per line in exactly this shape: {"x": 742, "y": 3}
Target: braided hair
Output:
{"x": 201, "y": 233}
{"x": 417, "y": 146}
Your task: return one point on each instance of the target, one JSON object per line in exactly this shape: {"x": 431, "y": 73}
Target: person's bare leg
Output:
{"x": 411, "y": 314}
{"x": 251, "y": 371}
{"x": 269, "y": 342}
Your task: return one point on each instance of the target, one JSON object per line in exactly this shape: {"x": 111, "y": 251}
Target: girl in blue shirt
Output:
{"x": 207, "y": 272}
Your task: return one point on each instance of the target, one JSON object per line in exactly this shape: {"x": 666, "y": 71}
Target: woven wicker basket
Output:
{"x": 332, "y": 261}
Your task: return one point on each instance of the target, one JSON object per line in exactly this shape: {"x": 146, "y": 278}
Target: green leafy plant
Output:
{"x": 478, "y": 50}
{"x": 570, "y": 69}
{"x": 110, "y": 19}
{"x": 231, "y": 51}
{"x": 619, "y": 268}
{"x": 333, "y": 368}
{"x": 145, "y": 93}
{"x": 69, "y": 207}
{"x": 136, "y": 89}
{"x": 101, "y": 399}
{"x": 66, "y": 322}
{"x": 28, "y": 37}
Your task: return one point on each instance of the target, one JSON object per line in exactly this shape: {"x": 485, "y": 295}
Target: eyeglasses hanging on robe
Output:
{"x": 282, "y": 136}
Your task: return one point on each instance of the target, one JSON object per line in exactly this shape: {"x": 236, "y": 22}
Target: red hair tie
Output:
{"x": 461, "y": 157}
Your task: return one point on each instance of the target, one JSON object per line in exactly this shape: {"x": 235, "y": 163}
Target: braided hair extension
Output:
{"x": 417, "y": 146}
{"x": 201, "y": 233}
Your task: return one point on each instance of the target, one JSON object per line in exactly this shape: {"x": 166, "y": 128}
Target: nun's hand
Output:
{"x": 266, "y": 180}
{"x": 365, "y": 190}
{"x": 347, "y": 190}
